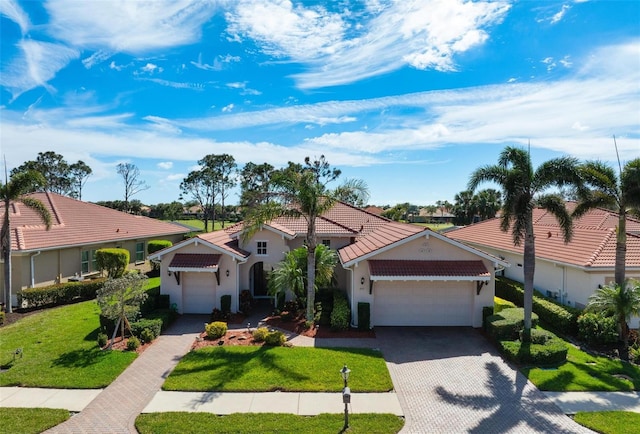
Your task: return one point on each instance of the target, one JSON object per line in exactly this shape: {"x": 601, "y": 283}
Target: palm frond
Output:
{"x": 556, "y": 206}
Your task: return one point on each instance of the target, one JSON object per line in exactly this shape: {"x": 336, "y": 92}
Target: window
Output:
{"x": 327, "y": 243}
{"x": 261, "y": 248}
{"x": 88, "y": 261}
{"x": 140, "y": 252}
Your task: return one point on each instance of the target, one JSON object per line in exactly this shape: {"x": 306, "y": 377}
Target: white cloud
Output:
{"x": 242, "y": 86}
{"x": 578, "y": 126}
{"x": 12, "y": 10}
{"x": 557, "y": 17}
{"x": 97, "y": 58}
{"x": 219, "y": 63}
{"x": 150, "y": 68}
{"x": 166, "y": 165}
{"x": 228, "y": 108}
{"x": 175, "y": 84}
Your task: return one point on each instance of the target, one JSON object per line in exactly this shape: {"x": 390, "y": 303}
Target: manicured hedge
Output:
{"x": 559, "y": 317}
{"x": 63, "y": 293}
{"x": 507, "y": 324}
{"x": 597, "y": 329}
{"x": 113, "y": 260}
{"x": 341, "y": 314}
{"x": 500, "y": 304}
{"x": 552, "y": 352}
{"x": 154, "y": 325}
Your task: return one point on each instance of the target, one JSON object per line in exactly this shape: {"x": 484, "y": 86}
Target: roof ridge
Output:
{"x": 600, "y": 247}
{"x": 19, "y": 238}
{"x": 364, "y": 211}
{"x": 54, "y": 208}
{"x": 338, "y": 224}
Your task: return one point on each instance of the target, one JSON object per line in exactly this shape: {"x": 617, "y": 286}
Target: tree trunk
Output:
{"x": 621, "y": 247}
{"x": 529, "y": 265}
{"x": 311, "y": 267}
{"x": 6, "y": 253}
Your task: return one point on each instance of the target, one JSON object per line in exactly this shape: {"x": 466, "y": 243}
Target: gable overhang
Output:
{"x": 157, "y": 256}
{"x": 195, "y": 262}
{"x": 268, "y": 227}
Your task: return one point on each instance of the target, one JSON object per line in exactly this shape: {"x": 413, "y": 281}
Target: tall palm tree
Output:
{"x": 291, "y": 273}
{"x": 302, "y": 191}
{"x": 621, "y": 302}
{"x": 523, "y": 190}
{"x": 621, "y": 195}
{"x": 15, "y": 190}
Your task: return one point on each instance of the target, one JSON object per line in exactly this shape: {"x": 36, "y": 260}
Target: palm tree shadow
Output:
{"x": 510, "y": 406}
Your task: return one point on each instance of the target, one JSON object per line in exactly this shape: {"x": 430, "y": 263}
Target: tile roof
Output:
{"x": 195, "y": 260}
{"x": 224, "y": 240}
{"x": 593, "y": 243}
{"x": 79, "y": 223}
{"x": 435, "y": 269}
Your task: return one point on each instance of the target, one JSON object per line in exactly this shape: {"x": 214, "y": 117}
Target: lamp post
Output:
{"x": 346, "y": 395}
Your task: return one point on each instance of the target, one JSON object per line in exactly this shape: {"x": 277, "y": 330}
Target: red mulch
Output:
{"x": 231, "y": 338}
{"x": 120, "y": 344}
{"x": 298, "y": 326}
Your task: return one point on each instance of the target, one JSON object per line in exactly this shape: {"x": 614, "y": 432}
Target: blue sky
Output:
{"x": 411, "y": 97}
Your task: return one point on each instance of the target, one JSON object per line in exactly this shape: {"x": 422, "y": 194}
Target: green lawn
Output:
{"x": 59, "y": 349}
{"x": 30, "y": 420}
{"x": 584, "y": 372}
{"x": 196, "y": 423}
{"x": 264, "y": 369}
{"x": 437, "y": 227}
{"x": 610, "y": 422}
{"x": 200, "y": 224}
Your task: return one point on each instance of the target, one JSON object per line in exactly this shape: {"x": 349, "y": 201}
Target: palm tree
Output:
{"x": 522, "y": 190}
{"x": 302, "y": 191}
{"x": 291, "y": 273}
{"x": 620, "y": 302}
{"x": 15, "y": 190}
{"x": 607, "y": 191}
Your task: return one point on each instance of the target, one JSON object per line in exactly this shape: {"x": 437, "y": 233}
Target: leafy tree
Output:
{"x": 487, "y": 203}
{"x": 60, "y": 176}
{"x": 350, "y": 192}
{"x": 255, "y": 184}
{"x": 113, "y": 204}
{"x": 16, "y": 190}
{"x": 222, "y": 168}
{"x": 523, "y": 189}
{"x": 121, "y": 298}
{"x": 299, "y": 191}
{"x": 200, "y": 185}
{"x": 621, "y": 195}
{"x": 291, "y": 273}
{"x": 167, "y": 211}
{"x": 621, "y": 303}
{"x": 79, "y": 173}
{"x": 397, "y": 213}
{"x": 132, "y": 182}
{"x": 464, "y": 208}
{"x": 113, "y": 261}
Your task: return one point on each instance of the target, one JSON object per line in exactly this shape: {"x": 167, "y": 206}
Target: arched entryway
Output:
{"x": 258, "y": 280}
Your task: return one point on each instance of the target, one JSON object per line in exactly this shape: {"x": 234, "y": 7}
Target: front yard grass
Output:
{"x": 266, "y": 369}
{"x": 195, "y": 423}
{"x": 30, "y": 420}
{"x": 584, "y": 372}
{"x": 59, "y": 350}
{"x": 610, "y": 422}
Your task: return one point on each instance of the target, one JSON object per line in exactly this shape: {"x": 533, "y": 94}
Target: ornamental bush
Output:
{"x": 275, "y": 338}
{"x": 507, "y": 324}
{"x": 102, "y": 340}
{"x": 113, "y": 261}
{"x": 154, "y": 327}
{"x": 133, "y": 343}
{"x": 341, "y": 314}
{"x": 216, "y": 329}
{"x": 62, "y": 293}
{"x": 597, "y": 329}
{"x": 260, "y": 334}
{"x": 500, "y": 304}
{"x": 552, "y": 352}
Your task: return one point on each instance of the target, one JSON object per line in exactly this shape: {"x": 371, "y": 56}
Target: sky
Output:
{"x": 409, "y": 96}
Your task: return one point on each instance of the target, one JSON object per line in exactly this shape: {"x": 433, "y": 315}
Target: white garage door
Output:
{"x": 198, "y": 292}
{"x": 423, "y": 304}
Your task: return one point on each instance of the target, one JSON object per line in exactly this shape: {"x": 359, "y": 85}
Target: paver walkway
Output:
{"x": 452, "y": 380}
{"x": 116, "y": 408}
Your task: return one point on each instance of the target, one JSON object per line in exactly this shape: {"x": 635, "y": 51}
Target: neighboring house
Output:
{"x": 67, "y": 250}
{"x": 570, "y": 272}
{"x": 436, "y": 217}
{"x": 408, "y": 274}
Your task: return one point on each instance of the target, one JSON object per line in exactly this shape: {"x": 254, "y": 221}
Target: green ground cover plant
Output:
{"x": 59, "y": 349}
{"x": 288, "y": 369}
{"x": 610, "y": 422}
{"x": 196, "y": 423}
{"x": 30, "y": 420}
{"x": 585, "y": 372}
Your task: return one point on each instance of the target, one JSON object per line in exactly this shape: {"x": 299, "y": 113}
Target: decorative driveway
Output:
{"x": 451, "y": 380}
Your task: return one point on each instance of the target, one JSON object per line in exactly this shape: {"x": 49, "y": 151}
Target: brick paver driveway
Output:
{"x": 451, "y": 380}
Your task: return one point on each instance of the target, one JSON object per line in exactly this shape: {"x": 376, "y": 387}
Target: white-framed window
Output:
{"x": 261, "y": 248}
{"x": 140, "y": 252}
{"x": 327, "y": 243}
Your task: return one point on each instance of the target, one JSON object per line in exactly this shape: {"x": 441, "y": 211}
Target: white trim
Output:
{"x": 193, "y": 269}
{"x": 430, "y": 278}
{"x": 268, "y": 227}
{"x": 195, "y": 240}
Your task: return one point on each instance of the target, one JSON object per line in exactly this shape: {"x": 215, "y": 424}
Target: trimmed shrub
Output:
{"x": 260, "y": 334}
{"x": 364, "y": 315}
{"x": 553, "y": 352}
{"x": 114, "y": 261}
{"x": 62, "y": 293}
{"x": 154, "y": 326}
{"x": 341, "y": 314}
{"x": 225, "y": 303}
{"x": 167, "y": 316}
{"x": 275, "y": 338}
{"x": 539, "y": 336}
{"x": 499, "y": 304}
{"x": 507, "y": 324}
{"x": 157, "y": 245}
{"x": 133, "y": 343}
{"x": 164, "y": 301}
{"x": 1, "y": 317}
{"x": 597, "y": 329}
{"x": 216, "y": 329}
{"x": 102, "y": 340}
{"x": 147, "y": 335}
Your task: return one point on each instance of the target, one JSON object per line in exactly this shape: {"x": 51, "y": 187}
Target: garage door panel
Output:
{"x": 199, "y": 294}
{"x": 423, "y": 304}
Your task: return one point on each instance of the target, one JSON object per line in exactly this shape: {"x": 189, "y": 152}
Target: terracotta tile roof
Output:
{"x": 224, "y": 239}
{"x": 382, "y": 236}
{"x": 436, "y": 269}
{"x": 195, "y": 260}
{"x": 79, "y": 223}
{"x": 593, "y": 243}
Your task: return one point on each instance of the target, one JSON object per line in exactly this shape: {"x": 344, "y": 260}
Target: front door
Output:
{"x": 258, "y": 280}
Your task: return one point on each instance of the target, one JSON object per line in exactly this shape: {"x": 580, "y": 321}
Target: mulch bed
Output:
{"x": 231, "y": 338}
{"x": 298, "y": 326}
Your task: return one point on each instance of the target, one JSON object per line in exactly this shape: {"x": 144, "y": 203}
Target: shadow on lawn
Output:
{"x": 80, "y": 358}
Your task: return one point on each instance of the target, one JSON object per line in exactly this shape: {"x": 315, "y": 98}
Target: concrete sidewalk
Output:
{"x": 573, "y": 402}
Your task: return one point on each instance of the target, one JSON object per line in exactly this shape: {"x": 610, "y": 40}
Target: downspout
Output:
{"x": 238, "y": 285}
{"x": 33, "y": 270}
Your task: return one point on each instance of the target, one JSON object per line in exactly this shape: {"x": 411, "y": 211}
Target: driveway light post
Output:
{"x": 346, "y": 395}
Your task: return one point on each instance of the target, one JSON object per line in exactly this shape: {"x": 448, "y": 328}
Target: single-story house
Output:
{"x": 408, "y": 274}
{"x": 570, "y": 272}
{"x": 67, "y": 250}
